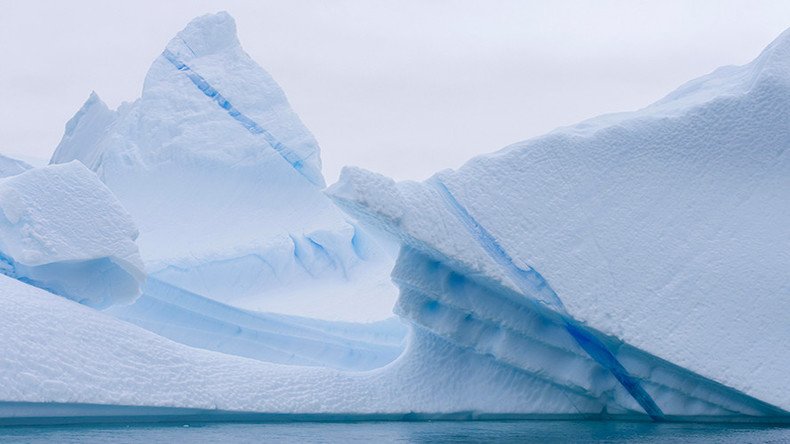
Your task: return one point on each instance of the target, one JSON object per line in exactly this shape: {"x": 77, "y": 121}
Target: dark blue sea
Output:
{"x": 401, "y": 432}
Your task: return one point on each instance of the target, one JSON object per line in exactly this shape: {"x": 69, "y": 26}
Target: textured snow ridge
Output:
{"x": 11, "y": 167}
{"x": 63, "y": 230}
{"x": 204, "y": 323}
{"x": 636, "y": 222}
{"x": 224, "y": 184}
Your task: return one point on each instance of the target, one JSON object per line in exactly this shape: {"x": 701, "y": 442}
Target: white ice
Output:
{"x": 664, "y": 232}
{"x": 62, "y": 229}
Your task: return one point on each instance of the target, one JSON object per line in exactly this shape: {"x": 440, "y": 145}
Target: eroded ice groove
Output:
{"x": 253, "y": 127}
{"x": 532, "y": 338}
{"x": 533, "y": 285}
{"x": 198, "y": 321}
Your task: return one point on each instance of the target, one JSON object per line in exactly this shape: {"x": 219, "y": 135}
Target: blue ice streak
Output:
{"x": 205, "y": 87}
{"x": 532, "y": 284}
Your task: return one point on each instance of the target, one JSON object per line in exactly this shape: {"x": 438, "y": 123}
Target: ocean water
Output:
{"x": 401, "y": 432}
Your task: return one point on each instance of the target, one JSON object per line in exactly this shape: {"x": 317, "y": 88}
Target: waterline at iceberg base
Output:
{"x": 180, "y": 260}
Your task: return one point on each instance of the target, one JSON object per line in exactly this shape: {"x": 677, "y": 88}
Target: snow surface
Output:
{"x": 223, "y": 182}
{"x": 53, "y": 354}
{"x": 667, "y": 228}
{"x": 62, "y": 229}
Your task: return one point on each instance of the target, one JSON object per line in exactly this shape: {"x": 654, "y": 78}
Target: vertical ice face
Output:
{"x": 665, "y": 230}
{"x": 62, "y": 229}
{"x": 224, "y": 182}
{"x": 83, "y": 132}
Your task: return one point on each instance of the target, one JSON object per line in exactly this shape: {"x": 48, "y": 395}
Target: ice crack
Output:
{"x": 253, "y": 127}
{"x": 533, "y": 285}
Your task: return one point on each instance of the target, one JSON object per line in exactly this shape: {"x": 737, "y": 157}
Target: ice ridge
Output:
{"x": 253, "y": 127}
{"x": 12, "y": 167}
{"x": 531, "y": 282}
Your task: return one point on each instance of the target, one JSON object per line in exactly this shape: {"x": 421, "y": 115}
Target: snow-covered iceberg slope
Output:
{"x": 54, "y": 357}
{"x": 63, "y": 230}
{"x": 641, "y": 258}
{"x": 223, "y": 181}
{"x": 12, "y": 167}
{"x": 58, "y": 367}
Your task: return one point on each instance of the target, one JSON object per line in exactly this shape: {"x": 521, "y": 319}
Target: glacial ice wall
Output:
{"x": 62, "y": 229}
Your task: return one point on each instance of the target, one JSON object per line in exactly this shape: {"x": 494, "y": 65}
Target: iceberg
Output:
{"x": 632, "y": 266}
{"x": 224, "y": 183}
{"x": 243, "y": 252}
{"x": 61, "y": 229}
{"x": 646, "y": 254}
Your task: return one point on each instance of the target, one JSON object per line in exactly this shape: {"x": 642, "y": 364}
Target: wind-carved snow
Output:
{"x": 665, "y": 230}
{"x": 61, "y": 229}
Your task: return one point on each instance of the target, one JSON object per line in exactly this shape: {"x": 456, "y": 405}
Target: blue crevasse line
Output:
{"x": 529, "y": 280}
{"x": 532, "y": 284}
{"x": 204, "y": 86}
{"x": 7, "y": 266}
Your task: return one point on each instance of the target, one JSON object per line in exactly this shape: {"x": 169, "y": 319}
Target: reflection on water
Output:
{"x": 383, "y": 432}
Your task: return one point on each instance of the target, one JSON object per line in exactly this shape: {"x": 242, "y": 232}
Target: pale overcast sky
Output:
{"x": 404, "y": 88}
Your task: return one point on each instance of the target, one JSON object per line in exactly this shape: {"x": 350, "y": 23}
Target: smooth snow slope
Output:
{"x": 223, "y": 182}
{"x": 201, "y": 322}
{"x": 63, "y": 230}
{"x": 665, "y": 231}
